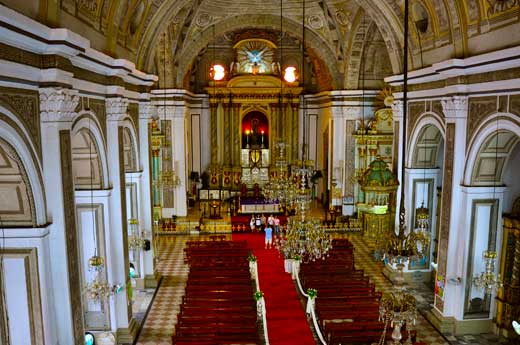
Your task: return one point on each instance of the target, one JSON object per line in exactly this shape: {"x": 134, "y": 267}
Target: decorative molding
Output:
{"x": 116, "y": 108}
{"x": 25, "y": 105}
{"x": 415, "y": 109}
{"x": 98, "y": 107}
{"x": 437, "y": 108}
{"x": 58, "y": 104}
{"x": 479, "y": 109}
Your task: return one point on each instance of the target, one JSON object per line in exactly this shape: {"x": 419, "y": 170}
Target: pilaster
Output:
{"x": 456, "y": 111}
{"x": 118, "y": 271}
{"x": 57, "y": 107}
{"x": 397, "y": 110}
{"x": 146, "y": 112}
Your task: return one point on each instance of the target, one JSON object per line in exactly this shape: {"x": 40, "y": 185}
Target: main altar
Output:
{"x": 251, "y": 108}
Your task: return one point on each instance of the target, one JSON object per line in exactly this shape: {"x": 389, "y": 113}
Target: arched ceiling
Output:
{"x": 131, "y": 29}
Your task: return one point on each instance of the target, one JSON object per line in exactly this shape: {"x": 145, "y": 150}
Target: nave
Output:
{"x": 160, "y": 323}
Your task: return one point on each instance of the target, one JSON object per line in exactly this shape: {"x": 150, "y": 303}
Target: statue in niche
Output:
{"x": 255, "y": 135}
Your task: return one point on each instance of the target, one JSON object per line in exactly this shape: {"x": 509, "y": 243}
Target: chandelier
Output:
{"x": 98, "y": 289}
{"x": 280, "y": 188}
{"x": 488, "y": 280}
{"x": 169, "y": 180}
{"x": 135, "y": 242}
{"x": 304, "y": 238}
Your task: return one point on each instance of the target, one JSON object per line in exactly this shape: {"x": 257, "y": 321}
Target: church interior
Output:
{"x": 178, "y": 172}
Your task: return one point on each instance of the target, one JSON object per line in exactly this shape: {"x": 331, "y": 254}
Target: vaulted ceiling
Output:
{"x": 337, "y": 31}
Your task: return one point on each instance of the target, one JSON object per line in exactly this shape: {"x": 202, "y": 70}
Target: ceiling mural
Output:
{"x": 132, "y": 29}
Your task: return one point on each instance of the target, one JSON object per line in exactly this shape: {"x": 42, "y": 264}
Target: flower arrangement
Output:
{"x": 312, "y": 293}
{"x": 297, "y": 257}
{"x": 258, "y": 295}
{"x": 251, "y": 257}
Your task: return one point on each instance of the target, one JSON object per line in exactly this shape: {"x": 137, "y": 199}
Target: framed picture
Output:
{"x": 203, "y": 194}
{"x": 214, "y": 194}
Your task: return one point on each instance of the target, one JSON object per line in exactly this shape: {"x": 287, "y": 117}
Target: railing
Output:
{"x": 260, "y": 302}
{"x": 294, "y": 266}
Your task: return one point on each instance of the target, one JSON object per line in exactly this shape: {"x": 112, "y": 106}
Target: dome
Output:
{"x": 378, "y": 176}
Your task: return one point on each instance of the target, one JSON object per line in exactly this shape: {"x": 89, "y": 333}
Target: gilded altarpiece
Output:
{"x": 242, "y": 149}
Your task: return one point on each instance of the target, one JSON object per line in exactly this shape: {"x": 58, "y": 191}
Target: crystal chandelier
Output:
{"x": 169, "y": 180}
{"x": 488, "y": 280}
{"x": 280, "y": 188}
{"x": 135, "y": 242}
{"x": 98, "y": 289}
{"x": 305, "y": 238}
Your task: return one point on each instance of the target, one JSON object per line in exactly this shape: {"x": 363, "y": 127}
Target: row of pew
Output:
{"x": 218, "y": 307}
{"x": 347, "y": 305}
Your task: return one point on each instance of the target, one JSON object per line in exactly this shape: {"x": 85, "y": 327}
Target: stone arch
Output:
{"x": 429, "y": 127}
{"x": 487, "y": 158}
{"x": 89, "y": 153}
{"x": 20, "y": 174}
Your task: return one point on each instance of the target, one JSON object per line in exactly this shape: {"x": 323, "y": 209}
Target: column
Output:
{"x": 213, "y": 131}
{"x": 57, "y": 113}
{"x": 227, "y": 159}
{"x": 117, "y": 267}
{"x": 146, "y": 112}
{"x": 237, "y": 134}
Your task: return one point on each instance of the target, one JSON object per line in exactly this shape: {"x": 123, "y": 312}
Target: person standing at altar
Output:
{"x": 263, "y": 221}
{"x": 270, "y": 221}
{"x": 258, "y": 223}
{"x": 276, "y": 223}
{"x": 252, "y": 223}
{"x": 268, "y": 237}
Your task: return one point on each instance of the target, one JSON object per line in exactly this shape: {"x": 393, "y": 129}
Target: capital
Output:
{"x": 116, "y": 107}
{"x": 455, "y": 106}
{"x": 147, "y": 110}
{"x": 397, "y": 109}
{"x": 58, "y": 104}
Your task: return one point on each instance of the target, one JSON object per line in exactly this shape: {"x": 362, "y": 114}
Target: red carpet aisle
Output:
{"x": 286, "y": 320}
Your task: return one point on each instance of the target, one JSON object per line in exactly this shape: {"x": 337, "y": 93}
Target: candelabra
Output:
{"x": 487, "y": 280}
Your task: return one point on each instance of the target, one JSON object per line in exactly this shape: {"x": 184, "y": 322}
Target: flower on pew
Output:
{"x": 251, "y": 257}
{"x": 258, "y": 295}
{"x": 297, "y": 257}
{"x": 312, "y": 293}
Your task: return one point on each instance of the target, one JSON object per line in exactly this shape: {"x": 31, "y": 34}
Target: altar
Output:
{"x": 259, "y": 208}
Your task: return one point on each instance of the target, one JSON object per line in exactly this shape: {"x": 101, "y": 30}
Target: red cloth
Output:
{"x": 286, "y": 320}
